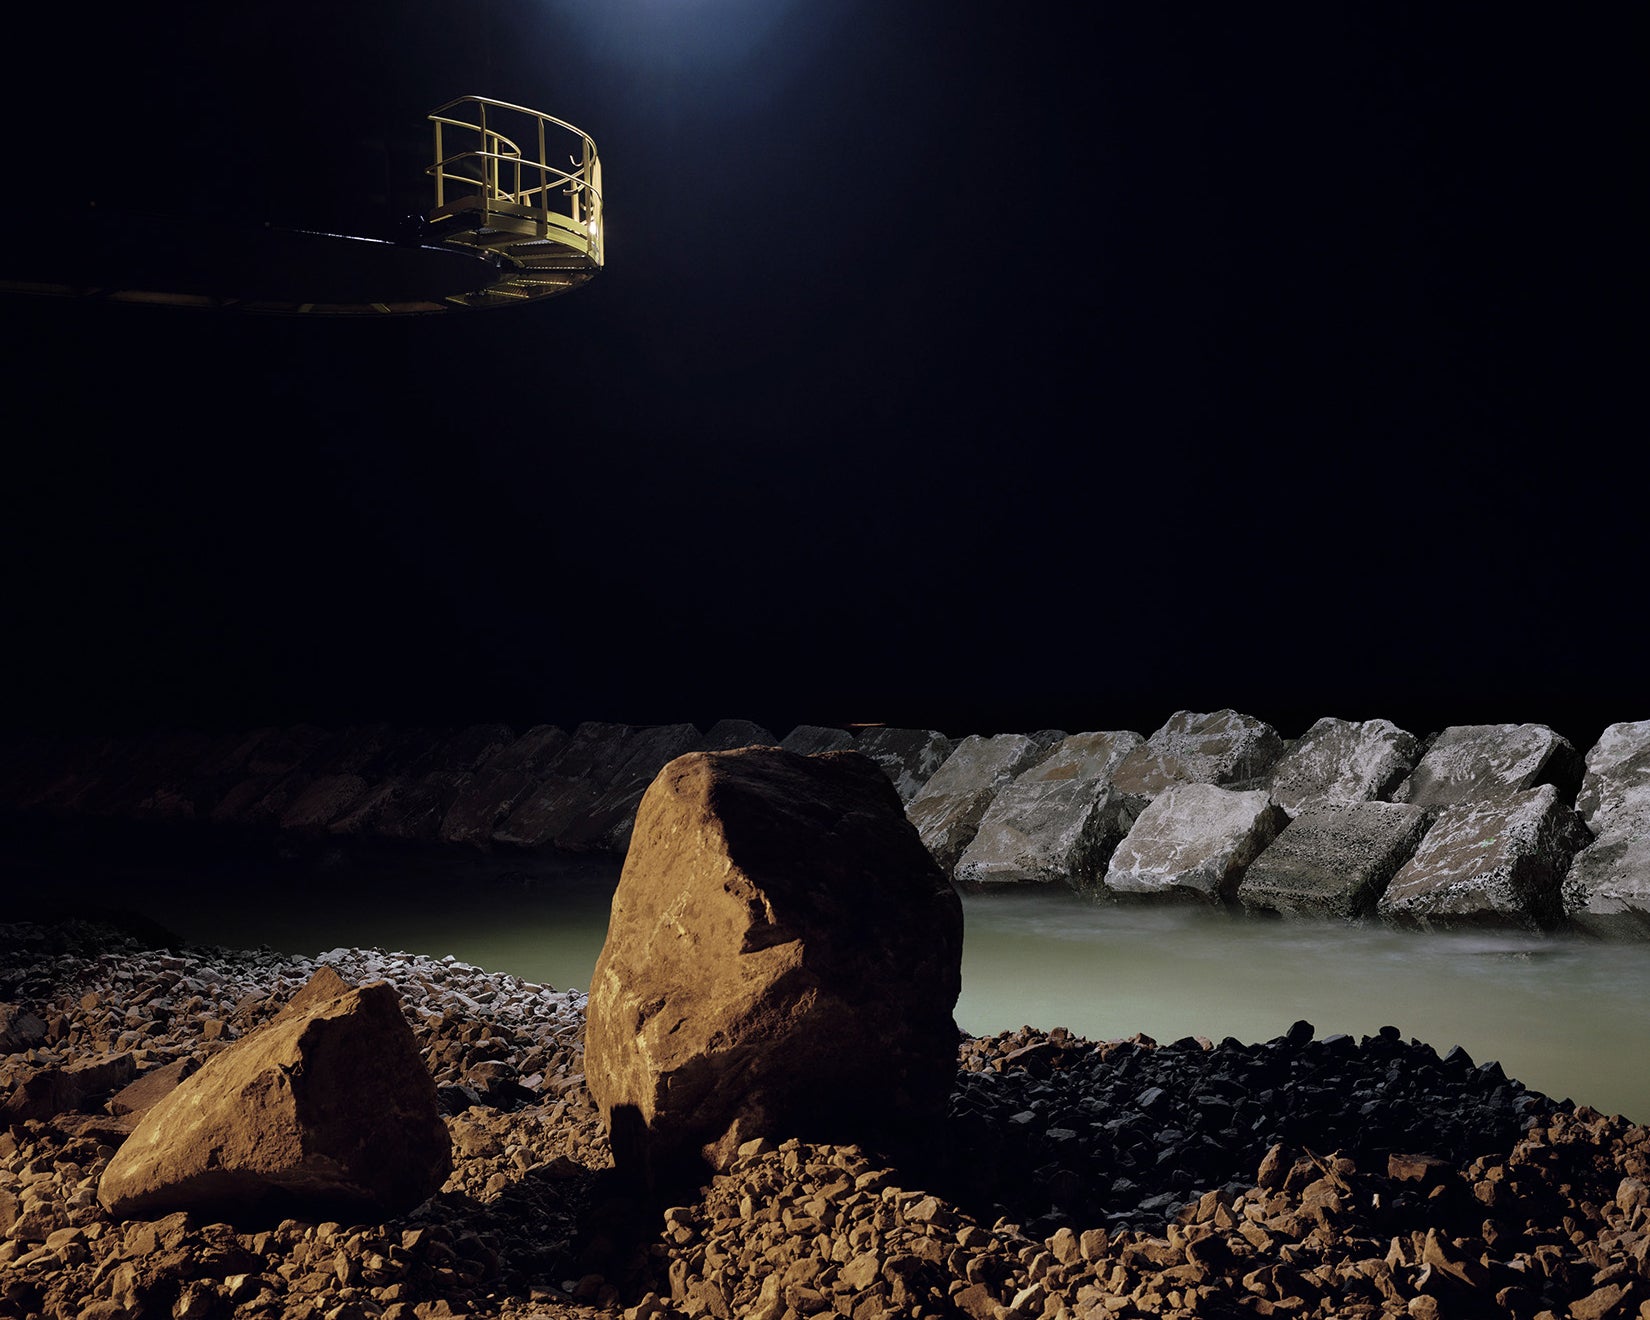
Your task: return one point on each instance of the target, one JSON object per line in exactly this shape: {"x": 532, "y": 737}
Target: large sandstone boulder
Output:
{"x": 909, "y": 757}
{"x": 1058, "y": 821}
{"x": 1223, "y": 748}
{"x": 1480, "y": 762}
{"x": 1194, "y": 841}
{"x": 1335, "y": 859}
{"x": 1337, "y": 761}
{"x": 326, "y": 1112}
{"x": 783, "y": 959}
{"x": 948, "y": 810}
{"x": 1495, "y": 862}
{"x": 1607, "y": 892}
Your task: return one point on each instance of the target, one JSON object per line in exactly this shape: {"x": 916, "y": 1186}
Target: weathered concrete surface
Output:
{"x": 1343, "y": 761}
{"x": 1335, "y": 859}
{"x": 782, "y": 960}
{"x": 948, "y": 809}
{"x": 328, "y": 1110}
{"x": 1496, "y": 862}
{"x": 909, "y": 757}
{"x": 1478, "y": 762}
{"x": 1194, "y": 841}
{"x": 1607, "y": 892}
{"x": 1057, "y": 821}
{"x": 1223, "y": 748}
{"x": 811, "y": 739}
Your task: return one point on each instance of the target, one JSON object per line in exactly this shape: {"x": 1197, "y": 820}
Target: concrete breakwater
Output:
{"x": 1505, "y": 824}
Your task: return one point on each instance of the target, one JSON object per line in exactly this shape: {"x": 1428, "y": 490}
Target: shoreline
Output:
{"x": 1319, "y": 1213}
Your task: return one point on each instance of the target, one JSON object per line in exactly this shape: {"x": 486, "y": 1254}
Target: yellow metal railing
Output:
{"x": 482, "y": 169}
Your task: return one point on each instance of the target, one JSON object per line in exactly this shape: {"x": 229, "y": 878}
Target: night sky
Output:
{"x": 962, "y": 365}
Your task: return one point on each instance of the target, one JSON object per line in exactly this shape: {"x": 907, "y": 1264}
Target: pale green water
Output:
{"x": 1567, "y": 1017}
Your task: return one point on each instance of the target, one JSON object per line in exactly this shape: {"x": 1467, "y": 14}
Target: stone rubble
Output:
{"x": 1297, "y": 1177}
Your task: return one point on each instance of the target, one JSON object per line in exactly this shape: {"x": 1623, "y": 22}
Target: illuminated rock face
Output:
{"x": 1335, "y": 859}
{"x": 948, "y": 810}
{"x": 1478, "y": 762}
{"x": 1339, "y": 761}
{"x": 327, "y": 1111}
{"x": 1194, "y": 841}
{"x": 1058, "y": 821}
{"x": 1496, "y": 863}
{"x": 783, "y": 959}
{"x": 1608, "y": 888}
{"x": 1223, "y": 748}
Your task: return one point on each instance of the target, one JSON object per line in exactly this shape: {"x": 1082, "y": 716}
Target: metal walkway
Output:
{"x": 517, "y": 218}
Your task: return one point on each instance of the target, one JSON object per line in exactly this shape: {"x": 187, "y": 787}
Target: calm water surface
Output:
{"x": 1568, "y": 1017}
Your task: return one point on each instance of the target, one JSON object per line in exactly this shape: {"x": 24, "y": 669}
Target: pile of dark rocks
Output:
{"x": 1298, "y": 1177}
{"x": 1057, "y": 1131}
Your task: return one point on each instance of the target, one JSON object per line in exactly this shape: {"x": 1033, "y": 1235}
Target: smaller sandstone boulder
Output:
{"x": 909, "y": 757}
{"x": 1481, "y": 762}
{"x": 1343, "y": 761}
{"x": 1223, "y": 748}
{"x": 1194, "y": 841}
{"x": 1334, "y": 859}
{"x": 326, "y": 1112}
{"x": 1500, "y": 863}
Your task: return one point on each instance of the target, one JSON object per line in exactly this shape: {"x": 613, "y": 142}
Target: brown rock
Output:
{"x": 151, "y": 1088}
{"x": 782, "y": 960}
{"x": 51, "y": 1090}
{"x": 328, "y": 1108}
{"x": 19, "y": 1029}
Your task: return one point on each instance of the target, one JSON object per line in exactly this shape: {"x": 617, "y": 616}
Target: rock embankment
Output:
{"x": 1295, "y": 1177}
{"x": 1501, "y": 824}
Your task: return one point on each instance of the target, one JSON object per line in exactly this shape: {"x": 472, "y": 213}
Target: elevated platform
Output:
{"x": 508, "y": 227}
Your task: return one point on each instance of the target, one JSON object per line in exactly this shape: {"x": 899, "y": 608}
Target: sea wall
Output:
{"x": 1497, "y": 825}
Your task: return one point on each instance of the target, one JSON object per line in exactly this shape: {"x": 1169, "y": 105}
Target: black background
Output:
{"x": 955, "y": 364}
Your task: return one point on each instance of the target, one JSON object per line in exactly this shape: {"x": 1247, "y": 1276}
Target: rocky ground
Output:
{"x": 1298, "y": 1177}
